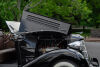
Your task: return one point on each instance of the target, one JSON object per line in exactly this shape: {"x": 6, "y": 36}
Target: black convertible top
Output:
{"x": 31, "y": 22}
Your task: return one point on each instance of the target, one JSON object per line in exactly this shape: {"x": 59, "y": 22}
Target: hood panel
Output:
{"x": 31, "y": 22}
{"x": 13, "y": 26}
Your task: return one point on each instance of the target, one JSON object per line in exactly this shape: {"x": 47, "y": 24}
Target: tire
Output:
{"x": 64, "y": 63}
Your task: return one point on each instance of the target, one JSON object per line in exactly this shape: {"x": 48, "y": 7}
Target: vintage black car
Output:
{"x": 45, "y": 42}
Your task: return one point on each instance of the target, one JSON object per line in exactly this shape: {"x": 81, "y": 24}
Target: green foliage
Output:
{"x": 95, "y": 7}
{"x": 8, "y": 11}
{"x": 73, "y": 11}
{"x": 78, "y": 12}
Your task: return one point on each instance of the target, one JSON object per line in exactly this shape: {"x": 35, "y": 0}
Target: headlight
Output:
{"x": 75, "y": 45}
{"x": 79, "y": 45}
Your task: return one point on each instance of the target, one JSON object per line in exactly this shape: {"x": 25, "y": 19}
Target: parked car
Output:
{"x": 45, "y": 42}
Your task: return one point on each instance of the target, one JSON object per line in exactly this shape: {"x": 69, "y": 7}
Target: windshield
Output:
{"x": 30, "y": 41}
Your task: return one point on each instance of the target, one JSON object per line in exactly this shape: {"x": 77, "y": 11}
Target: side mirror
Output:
{"x": 95, "y": 62}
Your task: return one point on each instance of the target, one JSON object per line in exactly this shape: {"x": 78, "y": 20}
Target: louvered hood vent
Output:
{"x": 43, "y": 22}
{"x": 31, "y": 22}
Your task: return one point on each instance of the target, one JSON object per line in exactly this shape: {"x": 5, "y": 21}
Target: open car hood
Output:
{"x": 13, "y": 26}
{"x": 31, "y": 22}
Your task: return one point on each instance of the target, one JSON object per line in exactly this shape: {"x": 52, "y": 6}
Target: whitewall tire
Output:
{"x": 63, "y": 63}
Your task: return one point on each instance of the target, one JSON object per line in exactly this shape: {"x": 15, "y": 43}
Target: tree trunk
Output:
{"x": 97, "y": 25}
{"x": 19, "y": 8}
{"x": 83, "y": 29}
{"x": 18, "y": 4}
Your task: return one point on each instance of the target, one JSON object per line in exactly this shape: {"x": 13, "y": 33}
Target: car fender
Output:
{"x": 63, "y": 52}
{"x": 50, "y": 56}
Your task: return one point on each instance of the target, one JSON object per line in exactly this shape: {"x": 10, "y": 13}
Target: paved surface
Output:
{"x": 8, "y": 65}
{"x": 92, "y": 39}
{"x": 92, "y": 47}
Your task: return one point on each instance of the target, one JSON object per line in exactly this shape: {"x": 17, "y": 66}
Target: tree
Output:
{"x": 94, "y": 5}
{"x": 73, "y": 11}
{"x": 8, "y": 11}
{"x": 11, "y": 10}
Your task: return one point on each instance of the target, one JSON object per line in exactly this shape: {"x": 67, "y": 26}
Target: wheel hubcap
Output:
{"x": 64, "y": 64}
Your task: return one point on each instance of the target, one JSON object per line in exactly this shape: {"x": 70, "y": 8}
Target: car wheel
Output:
{"x": 65, "y": 63}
